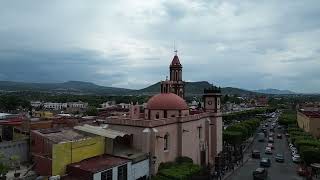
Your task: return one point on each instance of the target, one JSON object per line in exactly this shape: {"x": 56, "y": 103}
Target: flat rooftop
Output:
{"x": 99, "y": 163}
{"x": 58, "y": 135}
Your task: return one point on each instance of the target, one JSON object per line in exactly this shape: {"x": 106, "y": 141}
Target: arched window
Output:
{"x": 166, "y": 142}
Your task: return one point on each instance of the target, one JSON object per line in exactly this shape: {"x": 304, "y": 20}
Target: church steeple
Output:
{"x": 175, "y": 68}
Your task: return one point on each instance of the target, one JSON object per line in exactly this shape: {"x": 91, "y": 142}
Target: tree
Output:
{"x": 4, "y": 168}
{"x": 92, "y": 111}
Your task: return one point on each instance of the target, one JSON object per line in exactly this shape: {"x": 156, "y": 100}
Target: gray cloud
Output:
{"x": 248, "y": 44}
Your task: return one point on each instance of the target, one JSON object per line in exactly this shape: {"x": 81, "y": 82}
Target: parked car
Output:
{"x": 268, "y": 150}
{"x": 260, "y": 174}
{"x": 265, "y": 162}
{"x": 279, "y": 136}
{"x": 279, "y": 158}
{"x": 271, "y": 134}
{"x": 270, "y": 140}
{"x": 290, "y": 145}
{"x": 255, "y": 154}
{"x": 287, "y": 134}
{"x": 296, "y": 158}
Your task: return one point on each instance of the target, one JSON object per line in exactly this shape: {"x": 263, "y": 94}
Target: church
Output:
{"x": 164, "y": 129}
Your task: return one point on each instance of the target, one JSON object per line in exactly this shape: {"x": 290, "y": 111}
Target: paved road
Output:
{"x": 277, "y": 171}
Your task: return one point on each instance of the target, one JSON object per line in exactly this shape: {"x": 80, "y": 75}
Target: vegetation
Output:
{"x": 182, "y": 168}
{"x": 308, "y": 146}
{"x": 4, "y": 168}
{"x": 12, "y": 102}
{"x": 288, "y": 118}
{"x": 243, "y": 115}
{"x": 237, "y": 133}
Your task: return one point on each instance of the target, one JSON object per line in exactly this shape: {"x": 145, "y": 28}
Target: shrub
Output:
{"x": 183, "y": 159}
{"x": 165, "y": 165}
{"x": 180, "y": 171}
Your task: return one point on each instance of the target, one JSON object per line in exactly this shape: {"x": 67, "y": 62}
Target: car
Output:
{"x": 270, "y": 145}
{"x": 260, "y": 174}
{"x": 290, "y": 145}
{"x": 296, "y": 158}
{"x": 271, "y": 134}
{"x": 272, "y": 129}
{"x": 270, "y": 140}
{"x": 265, "y": 162}
{"x": 255, "y": 154}
{"x": 279, "y": 127}
{"x": 279, "y": 136}
{"x": 268, "y": 150}
{"x": 280, "y": 158}
{"x": 287, "y": 134}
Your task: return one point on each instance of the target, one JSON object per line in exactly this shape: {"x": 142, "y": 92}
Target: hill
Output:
{"x": 274, "y": 91}
{"x": 72, "y": 87}
{"x": 195, "y": 88}
{"x": 84, "y": 88}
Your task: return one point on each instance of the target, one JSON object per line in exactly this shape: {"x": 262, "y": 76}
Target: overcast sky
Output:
{"x": 238, "y": 43}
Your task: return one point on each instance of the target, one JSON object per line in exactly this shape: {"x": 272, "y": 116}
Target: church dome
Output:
{"x": 167, "y": 101}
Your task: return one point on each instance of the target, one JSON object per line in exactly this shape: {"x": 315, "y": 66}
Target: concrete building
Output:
{"x": 55, "y": 106}
{"x": 166, "y": 130}
{"x": 309, "y": 121}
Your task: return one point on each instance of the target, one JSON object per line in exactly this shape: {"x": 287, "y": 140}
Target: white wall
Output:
{"x": 140, "y": 169}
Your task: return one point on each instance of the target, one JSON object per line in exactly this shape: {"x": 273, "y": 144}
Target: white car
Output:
{"x": 296, "y": 158}
{"x": 268, "y": 150}
{"x": 290, "y": 145}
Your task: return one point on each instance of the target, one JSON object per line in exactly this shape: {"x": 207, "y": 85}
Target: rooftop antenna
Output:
{"x": 174, "y": 48}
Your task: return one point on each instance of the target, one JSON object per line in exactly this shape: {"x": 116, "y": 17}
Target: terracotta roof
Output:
{"x": 175, "y": 61}
{"x": 99, "y": 163}
{"x": 167, "y": 101}
{"x": 311, "y": 114}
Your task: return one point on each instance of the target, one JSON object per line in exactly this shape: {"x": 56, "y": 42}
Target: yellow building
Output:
{"x": 54, "y": 149}
{"x": 42, "y": 114}
{"x": 309, "y": 121}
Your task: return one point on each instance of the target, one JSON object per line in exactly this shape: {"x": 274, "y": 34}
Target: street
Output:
{"x": 281, "y": 171}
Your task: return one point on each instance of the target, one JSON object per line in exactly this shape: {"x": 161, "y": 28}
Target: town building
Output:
{"x": 166, "y": 129}
{"x": 55, "y": 106}
{"x": 309, "y": 121}
{"x": 56, "y": 149}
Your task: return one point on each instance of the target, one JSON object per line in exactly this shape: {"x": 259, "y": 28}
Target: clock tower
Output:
{"x": 211, "y": 99}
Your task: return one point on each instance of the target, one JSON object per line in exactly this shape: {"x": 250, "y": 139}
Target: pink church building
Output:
{"x": 165, "y": 129}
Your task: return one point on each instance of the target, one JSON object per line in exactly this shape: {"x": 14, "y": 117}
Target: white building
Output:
{"x": 55, "y": 106}
{"x": 78, "y": 105}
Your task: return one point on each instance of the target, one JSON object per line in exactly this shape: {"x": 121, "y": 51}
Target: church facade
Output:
{"x": 164, "y": 128}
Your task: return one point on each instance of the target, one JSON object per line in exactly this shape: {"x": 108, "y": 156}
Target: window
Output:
{"x": 157, "y": 116}
{"x": 199, "y": 131}
{"x": 106, "y": 175}
{"x": 166, "y": 142}
{"x": 122, "y": 172}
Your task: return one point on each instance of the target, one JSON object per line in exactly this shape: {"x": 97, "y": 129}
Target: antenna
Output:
{"x": 174, "y": 48}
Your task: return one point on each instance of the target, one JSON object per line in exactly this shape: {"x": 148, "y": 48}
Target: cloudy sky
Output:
{"x": 239, "y": 43}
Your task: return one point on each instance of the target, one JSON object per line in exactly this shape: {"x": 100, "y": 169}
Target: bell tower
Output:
{"x": 177, "y": 85}
{"x": 211, "y": 99}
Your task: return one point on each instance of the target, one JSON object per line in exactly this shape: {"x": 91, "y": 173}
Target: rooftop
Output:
{"x": 311, "y": 114}
{"x": 99, "y": 163}
{"x": 58, "y": 135}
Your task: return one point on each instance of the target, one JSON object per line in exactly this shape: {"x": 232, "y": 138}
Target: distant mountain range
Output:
{"x": 274, "y": 91}
{"x": 79, "y": 87}
{"x": 196, "y": 88}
